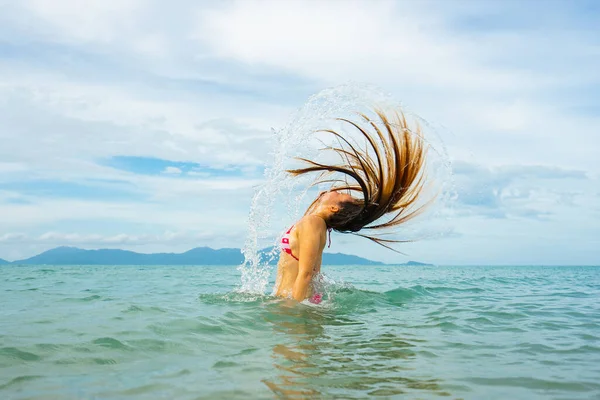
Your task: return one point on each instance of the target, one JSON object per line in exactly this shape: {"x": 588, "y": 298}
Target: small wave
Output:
{"x": 110, "y": 343}
{"x": 340, "y": 296}
{"x": 537, "y": 348}
{"x": 156, "y": 345}
{"x": 534, "y": 383}
{"x": 48, "y": 346}
{"x": 83, "y": 299}
{"x": 144, "y": 389}
{"x": 14, "y": 353}
{"x": 402, "y": 295}
{"x": 137, "y": 309}
{"x": 104, "y": 361}
{"x": 20, "y": 379}
{"x": 503, "y": 315}
{"x": 234, "y": 297}
{"x": 225, "y": 364}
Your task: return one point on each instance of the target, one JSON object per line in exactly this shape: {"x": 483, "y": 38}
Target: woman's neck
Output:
{"x": 321, "y": 214}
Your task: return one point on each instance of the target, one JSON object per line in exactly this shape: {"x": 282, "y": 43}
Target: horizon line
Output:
{"x": 239, "y": 248}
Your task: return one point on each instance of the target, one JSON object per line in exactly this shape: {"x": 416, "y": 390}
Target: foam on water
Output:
{"x": 282, "y": 198}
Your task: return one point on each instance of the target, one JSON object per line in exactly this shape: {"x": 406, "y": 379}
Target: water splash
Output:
{"x": 281, "y": 198}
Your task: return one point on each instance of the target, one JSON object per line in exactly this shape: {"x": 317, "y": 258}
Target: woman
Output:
{"x": 386, "y": 181}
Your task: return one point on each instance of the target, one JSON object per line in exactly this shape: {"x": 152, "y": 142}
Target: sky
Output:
{"x": 145, "y": 125}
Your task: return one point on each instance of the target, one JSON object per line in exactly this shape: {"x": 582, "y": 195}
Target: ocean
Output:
{"x": 184, "y": 332}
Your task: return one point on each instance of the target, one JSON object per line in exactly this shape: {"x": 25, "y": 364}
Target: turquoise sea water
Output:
{"x": 135, "y": 332}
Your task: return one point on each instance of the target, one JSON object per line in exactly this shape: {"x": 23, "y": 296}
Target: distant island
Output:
{"x": 416, "y": 264}
{"x": 197, "y": 256}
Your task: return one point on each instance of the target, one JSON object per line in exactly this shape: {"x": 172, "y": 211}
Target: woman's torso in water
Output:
{"x": 288, "y": 266}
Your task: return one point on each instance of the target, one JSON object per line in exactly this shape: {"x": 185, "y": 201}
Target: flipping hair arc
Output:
{"x": 388, "y": 175}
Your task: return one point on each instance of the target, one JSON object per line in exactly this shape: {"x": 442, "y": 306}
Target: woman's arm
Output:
{"x": 311, "y": 244}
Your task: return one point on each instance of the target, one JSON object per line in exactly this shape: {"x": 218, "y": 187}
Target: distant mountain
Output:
{"x": 330, "y": 258}
{"x": 416, "y": 264}
{"x": 76, "y": 256}
{"x": 196, "y": 256}
{"x": 347, "y": 259}
{"x": 2, "y": 262}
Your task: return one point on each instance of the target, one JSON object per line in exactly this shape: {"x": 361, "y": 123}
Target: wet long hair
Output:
{"x": 386, "y": 178}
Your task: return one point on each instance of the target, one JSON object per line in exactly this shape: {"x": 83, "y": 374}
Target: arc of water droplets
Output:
{"x": 280, "y": 189}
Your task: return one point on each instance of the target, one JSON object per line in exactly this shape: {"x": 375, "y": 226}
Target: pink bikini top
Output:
{"x": 285, "y": 242}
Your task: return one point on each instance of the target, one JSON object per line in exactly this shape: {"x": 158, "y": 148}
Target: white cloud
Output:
{"x": 518, "y": 191}
{"x": 186, "y": 206}
{"x": 102, "y": 21}
{"x": 172, "y": 170}
{"x": 11, "y": 167}
{"x": 484, "y": 86}
{"x": 73, "y": 132}
{"x": 386, "y": 40}
{"x": 58, "y": 238}
{"x": 12, "y": 237}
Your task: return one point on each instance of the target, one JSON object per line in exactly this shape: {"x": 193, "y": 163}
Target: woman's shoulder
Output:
{"x": 311, "y": 222}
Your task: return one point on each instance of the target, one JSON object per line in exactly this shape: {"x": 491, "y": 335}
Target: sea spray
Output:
{"x": 279, "y": 201}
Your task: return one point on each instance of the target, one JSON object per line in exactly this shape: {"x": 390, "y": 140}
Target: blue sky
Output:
{"x": 146, "y": 125}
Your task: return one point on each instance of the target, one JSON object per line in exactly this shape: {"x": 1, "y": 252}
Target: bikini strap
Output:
{"x": 329, "y": 231}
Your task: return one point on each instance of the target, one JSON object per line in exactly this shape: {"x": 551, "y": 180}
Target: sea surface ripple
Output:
{"x": 184, "y": 332}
